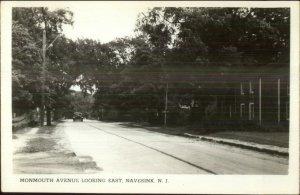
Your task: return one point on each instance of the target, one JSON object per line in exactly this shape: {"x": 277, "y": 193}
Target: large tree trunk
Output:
{"x": 48, "y": 117}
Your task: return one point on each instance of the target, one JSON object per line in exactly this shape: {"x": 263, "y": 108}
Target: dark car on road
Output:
{"x": 77, "y": 116}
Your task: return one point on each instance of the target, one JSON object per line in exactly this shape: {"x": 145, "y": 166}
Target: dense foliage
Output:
{"x": 181, "y": 47}
{"x": 173, "y": 49}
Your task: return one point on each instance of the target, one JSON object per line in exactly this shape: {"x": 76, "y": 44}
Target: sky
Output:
{"x": 103, "y": 23}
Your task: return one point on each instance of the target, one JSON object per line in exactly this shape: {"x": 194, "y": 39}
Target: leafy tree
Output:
{"x": 184, "y": 42}
{"x": 174, "y": 47}
{"x": 28, "y": 25}
{"x": 26, "y": 69}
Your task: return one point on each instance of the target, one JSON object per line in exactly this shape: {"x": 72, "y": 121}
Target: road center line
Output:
{"x": 162, "y": 152}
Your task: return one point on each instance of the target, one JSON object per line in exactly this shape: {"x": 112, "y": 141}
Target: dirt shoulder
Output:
{"x": 44, "y": 150}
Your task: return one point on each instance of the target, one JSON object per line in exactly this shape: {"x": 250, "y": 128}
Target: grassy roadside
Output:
{"x": 280, "y": 139}
{"x": 44, "y": 150}
{"x": 273, "y": 138}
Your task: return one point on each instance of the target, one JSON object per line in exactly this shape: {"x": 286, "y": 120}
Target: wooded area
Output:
{"x": 197, "y": 57}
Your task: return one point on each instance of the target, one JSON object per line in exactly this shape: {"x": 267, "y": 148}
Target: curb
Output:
{"x": 246, "y": 145}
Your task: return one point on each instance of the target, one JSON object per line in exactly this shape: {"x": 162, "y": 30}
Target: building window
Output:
{"x": 251, "y": 111}
{"x": 242, "y": 110}
{"x": 251, "y": 91}
{"x": 242, "y": 91}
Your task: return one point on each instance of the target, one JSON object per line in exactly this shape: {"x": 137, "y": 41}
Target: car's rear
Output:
{"x": 77, "y": 116}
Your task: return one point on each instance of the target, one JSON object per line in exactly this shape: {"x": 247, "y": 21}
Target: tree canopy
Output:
{"x": 27, "y": 32}
{"x": 174, "y": 47}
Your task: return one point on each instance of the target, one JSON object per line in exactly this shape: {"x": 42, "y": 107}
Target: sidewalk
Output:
{"x": 45, "y": 150}
{"x": 271, "y": 149}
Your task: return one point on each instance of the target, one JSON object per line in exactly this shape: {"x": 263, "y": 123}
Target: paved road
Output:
{"x": 120, "y": 149}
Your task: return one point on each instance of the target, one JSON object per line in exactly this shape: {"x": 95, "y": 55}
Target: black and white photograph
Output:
{"x": 145, "y": 94}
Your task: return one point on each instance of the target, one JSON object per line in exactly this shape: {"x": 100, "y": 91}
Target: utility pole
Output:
{"x": 48, "y": 109}
{"x": 259, "y": 101}
{"x": 42, "y": 110}
{"x": 230, "y": 111}
{"x": 166, "y": 105}
{"x": 235, "y": 100}
{"x": 278, "y": 101}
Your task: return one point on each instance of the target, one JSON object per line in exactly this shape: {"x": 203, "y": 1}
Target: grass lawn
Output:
{"x": 280, "y": 139}
{"x": 274, "y": 138}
